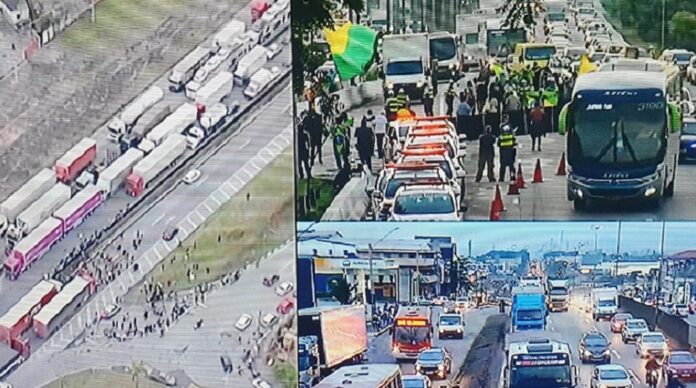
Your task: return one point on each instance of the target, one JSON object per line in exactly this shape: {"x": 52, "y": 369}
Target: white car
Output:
{"x": 269, "y": 320}
{"x": 110, "y": 311}
{"x": 284, "y": 288}
{"x": 652, "y": 342}
{"x": 192, "y": 176}
{"x": 260, "y": 383}
{"x": 440, "y": 300}
{"x": 243, "y": 322}
{"x": 610, "y": 376}
{"x": 273, "y": 50}
{"x": 201, "y": 75}
{"x": 425, "y": 202}
{"x": 213, "y": 63}
{"x": 680, "y": 310}
{"x": 633, "y": 329}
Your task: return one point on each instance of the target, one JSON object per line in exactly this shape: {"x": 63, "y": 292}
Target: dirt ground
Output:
{"x": 483, "y": 362}
{"x": 81, "y": 79}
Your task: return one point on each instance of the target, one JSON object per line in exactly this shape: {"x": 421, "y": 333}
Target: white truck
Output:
{"x": 184, "y": 71}
{"x": 558, "y": 296}
{"x": 26, "y": 195}
{"x": 605, "y": 302}
{"x": 274, "y": 21}
{"x": 113, "y": 176}
{"x": 183, "y": 117}
{"x": 124, "y": 121}
{"x": 215, "y": 90}
{"x": 162, "y": 157}
{"x": 255, "y": 60}
{"x": 258, "y": 82}
{"x": 227, "y": 35}
{"x": 210, "y": 121}
{"x": 35, "y": 214}
{"x": 406, "y": 63}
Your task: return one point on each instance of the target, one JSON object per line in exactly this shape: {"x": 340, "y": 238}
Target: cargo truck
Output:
{"x": 558, "y": 295}
{"x": 113, "y": 176}
{"x": 33, "y": 247}
{"x": 227, "y": 35}
{"x": 152, "y": 165}
{"x": 273, "y": 22}
{"x": 215, "y": 90}
{"x": 32, "y": 217}
{"x": 81, "y": 206}
{"x": 445, "y": 48}
{"x": 255, "y": 60}
{"x": 406, "y": 63}
{"x": 528, "y": 310}
{"x": 341, "y": 333}
{"x": 210, "y": 122}
{"x": 70, "y": 165}
{"x": 258, "y": 82}
{"x": 26, "y": 195}
{"x": 184, "y": 71}
{"x": 141, "y": 131}
{"x": 146, "y": 146}
{"x": 63, "y": 306}
{"x": 126, "y": 119}
{"x": 604, "y": 302}
{"x": 182, "y": 118}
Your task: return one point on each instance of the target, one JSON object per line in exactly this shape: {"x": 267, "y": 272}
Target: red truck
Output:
{"x": 18, "y": 319}
{"x": 70, "y": 165}
{"x": 62, "y": 306}
{"x": 258, "y": 9}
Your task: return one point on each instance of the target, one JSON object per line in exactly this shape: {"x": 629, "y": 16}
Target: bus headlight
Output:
{"x": 650, "y": 191}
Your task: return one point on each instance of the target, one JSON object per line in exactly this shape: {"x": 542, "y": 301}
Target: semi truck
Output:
{"x": 605, "y": 302}
{"x": 184, "y": 71}
{"x": 70, "y": 165}
{"x": 153, "y": 164}
{"x": 139, "y": 132}
{"x": 63, "y": 306}
{"x": 406, "y": 63}
{"x": 258, "y": 82}
{"x": 182, "y": 118}
{"x": 215, "y": 90}
{"x": 126, "y": 119}
{"x": 26, "y": 195}
{"x": 255, "y": 60}
{"x": 210, "y": 122}
{"x": 528, "y": 310}
{"x": 81, "y": 206}
{"x": 558, "y": 294}
{"x": 341, "y": 333}
{"x": 273, "y": 22}
{"x": 33, "y": 247}
{"x": 113, "y": 176}
{"x": 32, "y": 217}
{"x": 228, "y": 34}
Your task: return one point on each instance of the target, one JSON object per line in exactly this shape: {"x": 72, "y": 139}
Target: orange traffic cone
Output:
{"x": 495, "y": 214}
{"x": 561, "y": 166}
{"x": 512, "y": 189}
{"x": 537, "y": 172}
{"x": 498, "y": 200}
{"x": 520, "y": 177}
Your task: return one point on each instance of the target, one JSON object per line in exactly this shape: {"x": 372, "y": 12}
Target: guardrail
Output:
{"x": 677, "y": 328}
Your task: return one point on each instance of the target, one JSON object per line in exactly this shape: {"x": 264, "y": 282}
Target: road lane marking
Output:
{"x": 232, "y": 187}
{"x": 158, "y": 219}
{"x": 635, "y": 376}
{"x": 226, "y": 197}
{"x": 253, "y": 164}
{"x": 205, "y": 204}
{"x": 260, "y": 156}
{"x": 243, "y": 182}
{"x": 615, "y": 353}
{"x": 159, "y": 255}
{"x": 246, "y": 143}
{"x": 217, "y": 202}
{"x": 188, "y": 219}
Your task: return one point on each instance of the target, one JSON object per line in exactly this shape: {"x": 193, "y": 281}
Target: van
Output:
{"x": 258, "y": 82}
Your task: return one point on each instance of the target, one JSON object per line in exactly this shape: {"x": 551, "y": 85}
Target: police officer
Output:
{"x": 391, "y": 106}
{"x": 340, "y": 141}
{"x": 433, "y": 76}
{"x": 449, "y": 98}
{"x": 402, "y": 97}
{"x": 507, "y": 142}
{"x": 428, "y": 100}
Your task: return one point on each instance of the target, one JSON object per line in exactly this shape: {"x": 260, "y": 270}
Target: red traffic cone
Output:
{"x": 495, "y": 214}
{"x": 537, "y": 172}
{"x": 520, "y": 177}
{"x": 561, "y": 166}
{"x": 512, "y": 189}
{"x": 498, "y": 200}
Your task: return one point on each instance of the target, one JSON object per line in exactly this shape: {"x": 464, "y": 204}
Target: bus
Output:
{"x": 364, "y": 375}
{"x": 412, "y": 332}
{"x": 539, "y": 363}
{"x": 622, "y": 136}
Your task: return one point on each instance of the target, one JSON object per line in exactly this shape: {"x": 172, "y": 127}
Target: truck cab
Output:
{"x": 528, "y": 309}
{"x": 604, "y": 303}
{"x": 450, "y": 326}
{"x": 529, "y": 54}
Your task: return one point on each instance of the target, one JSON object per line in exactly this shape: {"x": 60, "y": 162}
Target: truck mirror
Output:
{"x": 562, "y": 119}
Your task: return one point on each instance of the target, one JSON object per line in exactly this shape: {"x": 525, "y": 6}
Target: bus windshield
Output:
{"x": 623, "y": 133}
{"x": 539, "y": 53}
{"x": 546, "y": 376}
{"x": 443, "y": 49}
{"x": 411, "y": 335}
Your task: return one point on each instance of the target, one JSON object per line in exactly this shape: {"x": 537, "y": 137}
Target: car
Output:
{"x": 440, "y": 301}
{"x": 610, "y": 376}
{"x": 680, "y": 310}
{"x": 284, "y": 288}
{"x": 285, "y": 306}
{"x": 423, "y": 301}
{"x": 269, "y": 320}
{"x": 170, "y": 233}
{"x": 618, "y": 321}
{"x": 462, "y": 304}
{"x": 260, "y": 383}
{"x": 680, "y": 364}
{"x": 110, "y": 311}
{"x": 679, "y": 57}
{"x": 416, "y": 381}
{"x": 632, "y": 329}
{"x": 594, "y": 347}
{"x": 652, "y": 342}
{"x": 243, "y": 322}
{"x": 201, "y": 75}
{"x": 436, "y": 362}
{"x": 425, "y": 202}
{"x": 192, "y": 176}
{"x": 273, "y": 50}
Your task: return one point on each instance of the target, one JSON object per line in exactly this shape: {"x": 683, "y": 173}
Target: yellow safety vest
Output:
{"x": 507, "y": 140}
{"x": 393, "y": 104}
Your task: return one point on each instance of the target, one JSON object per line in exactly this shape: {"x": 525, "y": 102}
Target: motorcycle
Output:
{"x": 652, "y": 378}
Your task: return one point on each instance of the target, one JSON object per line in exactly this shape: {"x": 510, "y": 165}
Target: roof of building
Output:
{"x": 686, "y": 255}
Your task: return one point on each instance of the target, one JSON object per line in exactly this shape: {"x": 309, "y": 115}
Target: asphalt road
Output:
{"x": 379, "y": 347}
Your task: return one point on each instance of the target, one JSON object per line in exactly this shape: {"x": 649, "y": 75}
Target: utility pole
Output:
{"x": 618, "y": 250}
{"x": 659, "y": 273}
{"x": 389, "y": 22}
{"x": 663, "y": 25}
{"x": 418, "y": 277}
{"x": 371, "y": 283}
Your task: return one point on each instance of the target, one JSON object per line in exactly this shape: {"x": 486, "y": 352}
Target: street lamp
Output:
{"x": 596, "y": 228}
{"x": 370, "y": 256}
{"x": 663, "y": 25}
{"x": 659, "y": 272}
{"x": 618, "y": 249}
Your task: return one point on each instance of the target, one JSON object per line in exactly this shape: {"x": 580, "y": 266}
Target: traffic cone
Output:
{"x": 561, "y": 166}
{"x": 495, "y": 214}
{"x": 537, "y": 172}
{"x": 512, "y": 189}
{"x": 520, "y": 177}
{"x": 498, "y": 200}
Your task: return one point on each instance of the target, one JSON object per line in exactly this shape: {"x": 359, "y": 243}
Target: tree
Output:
{"x": 340, "y": 290}
{"x": 682, "y": 29}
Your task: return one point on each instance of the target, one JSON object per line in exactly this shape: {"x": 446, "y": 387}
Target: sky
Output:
{"x": 636, "y": 237}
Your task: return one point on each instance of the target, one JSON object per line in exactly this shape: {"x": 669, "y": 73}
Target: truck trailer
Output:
{"x": 255, "y": 60}
{"x": 184, "y": 71}
{"x": 32, "y": 217}
{"x": 227, "y": 35}
{"x": 33, "y": 247}
{"x": 18, "y": 318}
{"x": 70, "y": 165}
{"x": 126, "y": 119}
{"x": 215, "y": 89}
{"x": 26, "y": 195}
{"x": 182, "y": 118}
{"x": 113, "y": 176}
{"x": 62, "y": 306}
{"x": 273, "y": 22}
{"x": 81, "y": 206}
{"x": 210, "y": 122}
{"x": 152, "y": 165}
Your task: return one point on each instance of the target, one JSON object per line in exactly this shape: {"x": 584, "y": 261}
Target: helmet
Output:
{"x": 506, "y": 129}
{"x": 391, "y": 93}
{"x": 402, "y": 90}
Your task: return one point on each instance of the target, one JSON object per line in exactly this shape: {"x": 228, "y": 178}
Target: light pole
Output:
{"x": 370, "y": 257}
{"x": 596, "y": 228}
{"x": 663, "y": 25}
{"x": 618, "y": 249}
{"x": 659, "y": 273}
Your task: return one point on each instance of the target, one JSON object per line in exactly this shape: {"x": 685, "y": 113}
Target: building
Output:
{"x": 16, "y": 12}
{"x": 679, "y": 276}
{"x": 506, "y": 261}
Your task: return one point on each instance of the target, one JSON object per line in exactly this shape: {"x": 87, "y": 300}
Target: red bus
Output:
{"x": 412, "y": 332}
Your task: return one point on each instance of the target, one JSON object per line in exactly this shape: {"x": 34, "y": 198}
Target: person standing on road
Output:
{"x": 507, "y": 142}
{"x": 433, "y": 77}
{"x": 403, "y": 99}
{"x": 449, "y": 99}
{"x": 486, "y": 154}
{"x": 502, "y": 306}
{"x": 365, "y": 144}
{"x": 391, "y": 106}
{"x": 314, "y": 127}
{"x": 537, "y": 122}
{"x": 463, "y": 111}
{"x": 428, "y": 101}
{"x": 340, "y": 141}
{"x": 380, "y": 125}
{"x": 303, "y": 153}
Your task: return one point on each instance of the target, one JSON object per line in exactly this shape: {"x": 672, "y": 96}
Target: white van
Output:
{"x": 260, "y": 81}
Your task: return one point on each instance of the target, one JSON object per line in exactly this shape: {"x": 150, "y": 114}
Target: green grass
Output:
{"x": 102, "y": 378}
{"x": 326, "y": 196}
{"x": 286, "y": 374}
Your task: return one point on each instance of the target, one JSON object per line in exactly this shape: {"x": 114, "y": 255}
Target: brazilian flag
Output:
{"x": 352, "y": 48}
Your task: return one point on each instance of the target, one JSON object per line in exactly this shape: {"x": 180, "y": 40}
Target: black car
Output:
{"x": 436, "y": 362}
{"x": 170, "y": 233}
{"x": 594, "y": 347}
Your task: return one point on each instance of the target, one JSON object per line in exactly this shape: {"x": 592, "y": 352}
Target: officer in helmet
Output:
{"x": 507, "y": 143}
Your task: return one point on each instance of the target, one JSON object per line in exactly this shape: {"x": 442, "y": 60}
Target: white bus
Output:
{"x": 364, "y": 375}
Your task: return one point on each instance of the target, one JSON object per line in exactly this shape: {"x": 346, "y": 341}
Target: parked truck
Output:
{"x": 227, "y": 35}
{"x": 528, "y": 310}
{"x": 113, "y": 176}
{"x": 184, "y": 71}
{"x": 32, "y": 217}
{"x": 33, "y": 247}
{"x": 406, "y": 63}
{"x": 558, "y": 294}
{"x": 605, "y": 302}
{"x": 81, "y": 206}
{"x": 139, "y": 132}
{"x": 63, "y": 306}
{"x": 273, "y": 22}
{"x": 210, "y": 122}
{"x": 255, "y": 60}
{"x": 341, "y": 333}
{"x": 152, "y": 165}
{"x": 126, "y": 119}
{"x": 26, "y": 195}
{"x": 182, "y": 118}
{"x": 215, "y": 90}
{"x": 70, "y": 165}
{"x": 258, "y": 82}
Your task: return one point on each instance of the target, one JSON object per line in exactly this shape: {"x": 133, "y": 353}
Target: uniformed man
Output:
{"x": 433, "y": 76}
{"x": 428, "y": 101}
{"x": 449, "y": 98}
{"x": 391, "y": 106}
{"x": 507, "y": 142}
{"x": 340, "y": 141}
{"x": 402, "y": 97}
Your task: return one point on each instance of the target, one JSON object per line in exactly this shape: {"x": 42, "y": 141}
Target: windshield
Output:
{"x": 653, "y": 338}
{"x": 558, "y": 291}
{"x": 405, "y": 68}
{"x": 411, "y": 335}
{"x": 535, "y": 377}
{"x": 613, "y": 374}
{"x": 413, "y": 383}
{"x": 529, "y": 315}
{"x": 443, "y": 48}
{"x": 689, "y": 129}
{"x": 425, "y": 203}
{"x": 621, "y": 317}
{"x": 442, "y": 163}
{"x": 682, "y": 358}
{"x": 606, "y": 303}
{"x": 557, "y": 17}
{"x": 683, "y": 57}
{"x": 586, "y": 11}
{"x": 636, "y": 325}
{"x": 449, "y": 321}
{"x": 394, "y": 185}
{"x": 595, "y": 341}
{"x": 539, "y": 53}
{"x": 624, "y": 133}
{"x": 430, "y": 356}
